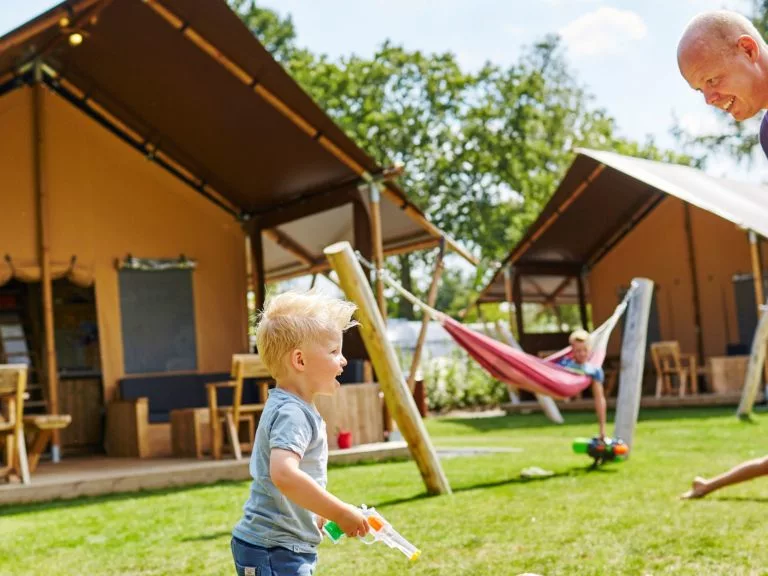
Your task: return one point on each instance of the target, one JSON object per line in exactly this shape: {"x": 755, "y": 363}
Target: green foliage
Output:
{"x": 458, "y": 381}
{"x": 483, "y": 151}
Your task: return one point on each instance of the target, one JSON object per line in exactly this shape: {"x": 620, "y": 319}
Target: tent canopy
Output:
{"x": 186, "y": 83}
{"x": 601, "y": 198}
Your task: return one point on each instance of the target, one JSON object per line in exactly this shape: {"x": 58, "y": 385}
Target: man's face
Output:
{"x": 727, "y": 76}
{"x": 580, "y": 351}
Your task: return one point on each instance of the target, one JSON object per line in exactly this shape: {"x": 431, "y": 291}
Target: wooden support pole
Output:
{"x": 425, "y": 318}
{"x": 633, "y": 360}
{"x": 694, "y": 283}
{"x": 378, "y": 248}
{"x": 582, "y": 302}
{"x": 397, "y": 396}
{"x": 757, "y": 269}
{"x": 259, "y": 278}
{"x": 508, "y": 297}
{"x": 44, "y": 249}
{"x": 517, "y": 295}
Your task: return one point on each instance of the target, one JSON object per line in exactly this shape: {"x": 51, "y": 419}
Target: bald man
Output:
{"x": 722, "y": 55}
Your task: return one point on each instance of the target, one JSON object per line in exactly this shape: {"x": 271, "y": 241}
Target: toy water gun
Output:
{"x": 601, "y": 449}
{"x": 381, "y": 531}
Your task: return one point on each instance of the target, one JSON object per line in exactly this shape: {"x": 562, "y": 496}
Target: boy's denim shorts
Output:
{"x": 252, "y": 560}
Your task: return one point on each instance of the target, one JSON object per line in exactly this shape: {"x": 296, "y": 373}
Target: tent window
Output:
{"x": 158, "y": 321}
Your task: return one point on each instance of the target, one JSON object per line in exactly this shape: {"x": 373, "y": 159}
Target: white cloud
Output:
{"x": 607, "y": 30}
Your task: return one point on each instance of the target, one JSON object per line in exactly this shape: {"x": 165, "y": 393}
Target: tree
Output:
{"x": 483, "y": 151}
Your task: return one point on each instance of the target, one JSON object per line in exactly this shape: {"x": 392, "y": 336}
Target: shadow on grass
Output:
{"x": 531, "y": 421}
{"x": 207, "y": 537}
{"x": 577, "y": 471}
{"x": 742, "y": 499}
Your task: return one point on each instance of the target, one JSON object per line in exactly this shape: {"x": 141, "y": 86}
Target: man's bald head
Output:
{"x": 722, "y": 55}
{"x": 716, "y": 30}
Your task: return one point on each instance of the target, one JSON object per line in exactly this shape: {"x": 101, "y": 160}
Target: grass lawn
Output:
{"x": 622, "y": 519}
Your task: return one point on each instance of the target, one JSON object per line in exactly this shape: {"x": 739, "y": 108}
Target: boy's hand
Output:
{"x": 320, "y": 521}
{"x": 353, "y": 523}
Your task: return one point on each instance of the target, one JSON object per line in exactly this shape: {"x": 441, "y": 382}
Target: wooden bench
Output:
{"x": 39, "y": 429}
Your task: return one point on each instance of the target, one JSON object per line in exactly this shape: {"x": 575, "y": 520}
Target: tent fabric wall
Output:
{"x": 107, "y": 201}
{"x": 657, "y": 248}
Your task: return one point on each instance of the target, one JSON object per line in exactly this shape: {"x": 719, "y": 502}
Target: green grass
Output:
{"x": 622, "y": 519}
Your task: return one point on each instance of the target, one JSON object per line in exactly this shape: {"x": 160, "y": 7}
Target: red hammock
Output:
{"x": 537, "y": 375}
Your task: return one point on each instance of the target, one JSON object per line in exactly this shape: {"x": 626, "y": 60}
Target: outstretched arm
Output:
{"x": 599, "y": 396}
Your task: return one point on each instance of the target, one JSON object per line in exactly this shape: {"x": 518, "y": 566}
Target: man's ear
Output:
{"x": 748, "y": 46}
{"x": 296, "y": 359}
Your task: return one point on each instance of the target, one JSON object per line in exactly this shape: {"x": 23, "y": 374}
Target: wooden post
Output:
{"x": 259, "y": 278}
{"x": 425, "y": 319}
{"x": 757, "y": 269}
{"x": 633, "y": 360}
{"x": 517, "y": 295}
{"x": 695, "y": 284}
{"x": 44, "y": 238}
{"x": 396, "y": 393}
{"x": 582, "y": 302}
{"x": 378, "y": 262}
{"x": 378, "y": 247}
{"x": 754, "y": 368}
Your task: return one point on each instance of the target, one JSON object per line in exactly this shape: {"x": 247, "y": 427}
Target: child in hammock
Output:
{"x": 577, "y": 362}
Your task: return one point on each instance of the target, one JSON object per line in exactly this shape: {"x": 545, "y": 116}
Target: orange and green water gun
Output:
{"x": 381, "y": 531}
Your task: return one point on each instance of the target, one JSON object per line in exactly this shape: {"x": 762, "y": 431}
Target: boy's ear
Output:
{"x": 297, "y": 360}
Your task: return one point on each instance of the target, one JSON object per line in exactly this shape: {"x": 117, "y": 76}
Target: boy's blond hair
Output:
{"x": 293, "y": 319}
{"x": 579, "y": 335}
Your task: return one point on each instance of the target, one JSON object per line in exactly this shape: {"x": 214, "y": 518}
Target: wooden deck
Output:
{"x": 98, "y": 475}
{"x": 690, "y": 401}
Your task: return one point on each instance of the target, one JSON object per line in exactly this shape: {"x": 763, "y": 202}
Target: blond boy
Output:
{"x": 299, "y": 338}
{"x": 577, "y": 362}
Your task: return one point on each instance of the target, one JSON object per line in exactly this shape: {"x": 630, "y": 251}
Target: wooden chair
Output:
{"x": 669, "y": 362}
{"x": 230, "y": 417}
{"x": 13, "y": 385}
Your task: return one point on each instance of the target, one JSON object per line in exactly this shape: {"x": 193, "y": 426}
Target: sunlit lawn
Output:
{"x": 622, "y": 519}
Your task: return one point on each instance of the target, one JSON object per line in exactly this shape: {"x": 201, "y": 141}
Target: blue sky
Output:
{"x": 622, "y": 50}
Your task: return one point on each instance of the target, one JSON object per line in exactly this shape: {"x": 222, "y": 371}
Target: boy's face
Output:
{"x": 323, "y": 363}
{"x": 580, "y": 351}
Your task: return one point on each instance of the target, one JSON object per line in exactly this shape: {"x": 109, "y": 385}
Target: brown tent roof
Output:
{"x": 186, "y": 82}
{"x": 601, "y": 198}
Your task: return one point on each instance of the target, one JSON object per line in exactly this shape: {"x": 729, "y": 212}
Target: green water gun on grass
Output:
{"x": 381, "y": 531}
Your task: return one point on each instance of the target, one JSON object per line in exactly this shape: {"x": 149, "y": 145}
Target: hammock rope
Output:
{"x": 513, "y": 366}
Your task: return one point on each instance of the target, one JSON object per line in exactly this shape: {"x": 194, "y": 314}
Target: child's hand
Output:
{"x": 353, "y": 523}
{"x": 320, "y": 521}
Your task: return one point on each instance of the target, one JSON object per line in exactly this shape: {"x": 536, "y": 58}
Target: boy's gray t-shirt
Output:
{"x": 269, "y": 518}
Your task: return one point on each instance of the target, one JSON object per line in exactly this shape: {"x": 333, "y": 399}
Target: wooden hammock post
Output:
{"x": 396, "y": 393}
{"x": 582, "y": 301}
{"x": 633, "y": 360}
{"x": 425, "y": 318}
